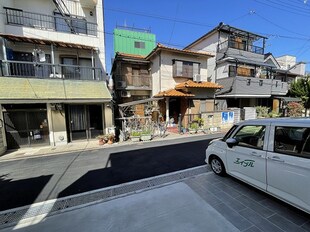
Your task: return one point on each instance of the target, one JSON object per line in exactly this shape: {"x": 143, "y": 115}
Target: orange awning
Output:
{"x": 193, "y": 84}
{"x": 173, "y": 93}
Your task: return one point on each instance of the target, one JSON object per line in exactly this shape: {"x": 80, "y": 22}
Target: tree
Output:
{"x": 301, "y": 89}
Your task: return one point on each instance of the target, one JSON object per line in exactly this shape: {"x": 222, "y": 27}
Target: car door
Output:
{"x": 247, "y": 160}
{"x": 288, "y": 165}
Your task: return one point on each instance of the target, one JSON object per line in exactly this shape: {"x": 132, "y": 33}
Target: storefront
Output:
{"x": 26, "y": 125}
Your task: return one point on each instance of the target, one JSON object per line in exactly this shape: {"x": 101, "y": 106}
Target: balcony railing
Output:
{"x": 46, "y": 70}
{"x": 70, "y": 24}
{"x": 133, "y": 81}
{"x": 241, "y": 46}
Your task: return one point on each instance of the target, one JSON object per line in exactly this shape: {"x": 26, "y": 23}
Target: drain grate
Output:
{"x": 11, "y": 217}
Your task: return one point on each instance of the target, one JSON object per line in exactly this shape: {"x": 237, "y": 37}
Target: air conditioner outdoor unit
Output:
{"x": 121, "y": 84}
{"x": 197, "y": 77}
{"x": 125, "y": 94}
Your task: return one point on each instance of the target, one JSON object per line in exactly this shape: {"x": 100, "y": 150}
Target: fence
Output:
{"x": 47, "y": 70}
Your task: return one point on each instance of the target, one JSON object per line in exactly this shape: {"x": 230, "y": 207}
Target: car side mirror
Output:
{"x": 232, "y": 142}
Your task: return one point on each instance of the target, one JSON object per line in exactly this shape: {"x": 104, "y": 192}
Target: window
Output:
{"x": 232, "y": 71}
{"x": 139, "y": 44}
{"x": 70, "y": 24}
{"x": 185, "y": 69}
{"x": 292, "y": 141}
{"x": 251, "y": 136}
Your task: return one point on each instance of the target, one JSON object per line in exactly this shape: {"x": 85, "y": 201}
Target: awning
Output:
{"x": 193, "y": 84}
{"x": 30, "y": 90}
{"x": 23, "y": 39}
{"x": 173, "y": 93}
{"x": 248, "y": 61}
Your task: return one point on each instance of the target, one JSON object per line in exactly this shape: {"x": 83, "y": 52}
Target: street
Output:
{"x": 26, "y": 181}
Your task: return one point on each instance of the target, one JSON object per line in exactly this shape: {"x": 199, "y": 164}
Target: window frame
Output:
{"x": 248, "y": 145}
{"x": 291, "y": 153}
{"x": 184, "y": 66}
{"x": 137, "y": 44}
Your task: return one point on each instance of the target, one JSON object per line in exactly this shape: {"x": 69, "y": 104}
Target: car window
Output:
{"x": 251, "y": 136}
{"x": 229, "y": 133}
{"x": 292, "y": 141}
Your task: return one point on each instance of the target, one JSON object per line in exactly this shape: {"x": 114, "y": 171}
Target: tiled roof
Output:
{"x": 42, "y": 90}
{"x": 193, "y": 84}
{"x": 25, "y": 39}
{"x": 173, "y": 93}
{"x": 180, "y": 51}
{"x": 127, "y": 55}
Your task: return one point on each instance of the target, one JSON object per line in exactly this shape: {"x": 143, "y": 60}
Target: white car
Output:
{"x": 270, "y": 154}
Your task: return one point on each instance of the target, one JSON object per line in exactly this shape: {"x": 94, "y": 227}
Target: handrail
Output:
{"x": 50, "y": 22}
{"x": 241, "y": 46}
{"x": 13, "y": 68}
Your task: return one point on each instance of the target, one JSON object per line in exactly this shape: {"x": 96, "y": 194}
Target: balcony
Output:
{"x": 49, "y": 71}
{"x": 70, "y": 24}
{"x": 133, "y": 82}
{"x": 241, "y": 46}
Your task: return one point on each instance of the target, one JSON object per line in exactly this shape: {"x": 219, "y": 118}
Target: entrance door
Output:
{"x": 85, "y": 121}
{"x": 78, "y": 122}
{"x": 26, "y": 128}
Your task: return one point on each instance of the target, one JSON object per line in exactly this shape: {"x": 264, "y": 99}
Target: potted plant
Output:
{"x": 102, "y": 139}
{"x": 146, "y": 135}
{"x": 111, "y": 138}
{"x": 193, "y": 128}
{"x": 135, "y": 136}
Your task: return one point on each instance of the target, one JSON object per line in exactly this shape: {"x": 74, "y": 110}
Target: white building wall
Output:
{"x": 47, "y": 7}
{"x": 286, "y": 61}
{"x": 209, "y": 45}
{"x": 155, "y": 72}
{"x": 165, "y": 73}
{"x": 222, "y": 70}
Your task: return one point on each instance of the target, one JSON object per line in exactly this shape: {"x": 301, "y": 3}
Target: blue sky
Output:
{"x": 179, "y": 22}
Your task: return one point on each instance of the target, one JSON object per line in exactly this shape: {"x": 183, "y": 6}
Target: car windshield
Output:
{"x": 228, "y": 134}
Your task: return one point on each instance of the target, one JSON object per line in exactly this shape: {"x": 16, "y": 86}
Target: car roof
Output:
{"x": 285, "y": 120}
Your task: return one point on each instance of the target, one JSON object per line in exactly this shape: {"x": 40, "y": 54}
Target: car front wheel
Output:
{"x": 217, "y": 166}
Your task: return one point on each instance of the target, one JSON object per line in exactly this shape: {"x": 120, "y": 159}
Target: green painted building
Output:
{"x": 133, "y": 41}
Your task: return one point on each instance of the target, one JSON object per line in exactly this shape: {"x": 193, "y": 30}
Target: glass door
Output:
{"x": 26, "y": 128}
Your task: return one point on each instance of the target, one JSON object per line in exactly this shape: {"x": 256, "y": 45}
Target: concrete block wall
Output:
{"x": 213, "y": 120}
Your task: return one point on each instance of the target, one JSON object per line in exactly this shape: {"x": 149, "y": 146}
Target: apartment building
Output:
{"x": 52, "y": 74}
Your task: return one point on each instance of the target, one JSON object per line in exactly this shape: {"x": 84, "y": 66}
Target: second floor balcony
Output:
{"x": 241, "y": 45}
{"x": 133, "y": 82}
{"x": 70, "y": 24}
{"x": 49, "y": 71}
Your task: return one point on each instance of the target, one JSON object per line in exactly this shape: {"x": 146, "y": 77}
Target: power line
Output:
{"x": 160, "y": 17}
{"x": 282, "y": 9}
{"x": 283, "y": 28}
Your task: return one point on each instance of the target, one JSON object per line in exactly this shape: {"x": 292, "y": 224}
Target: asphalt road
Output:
{"x": 23, "y": 182}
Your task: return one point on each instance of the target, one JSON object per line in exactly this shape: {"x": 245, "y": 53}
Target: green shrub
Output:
{"x": 135, "y": 133}
{"x": 262, "y": 111}
{"x": 194, "y": 126}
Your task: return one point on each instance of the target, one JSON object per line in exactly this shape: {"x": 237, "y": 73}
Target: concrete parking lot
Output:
{"x": 202, "y": 202}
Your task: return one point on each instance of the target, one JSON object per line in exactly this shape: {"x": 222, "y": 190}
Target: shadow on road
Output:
{"x": 133, "y": 165}
{"x": 18, "y": 193}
